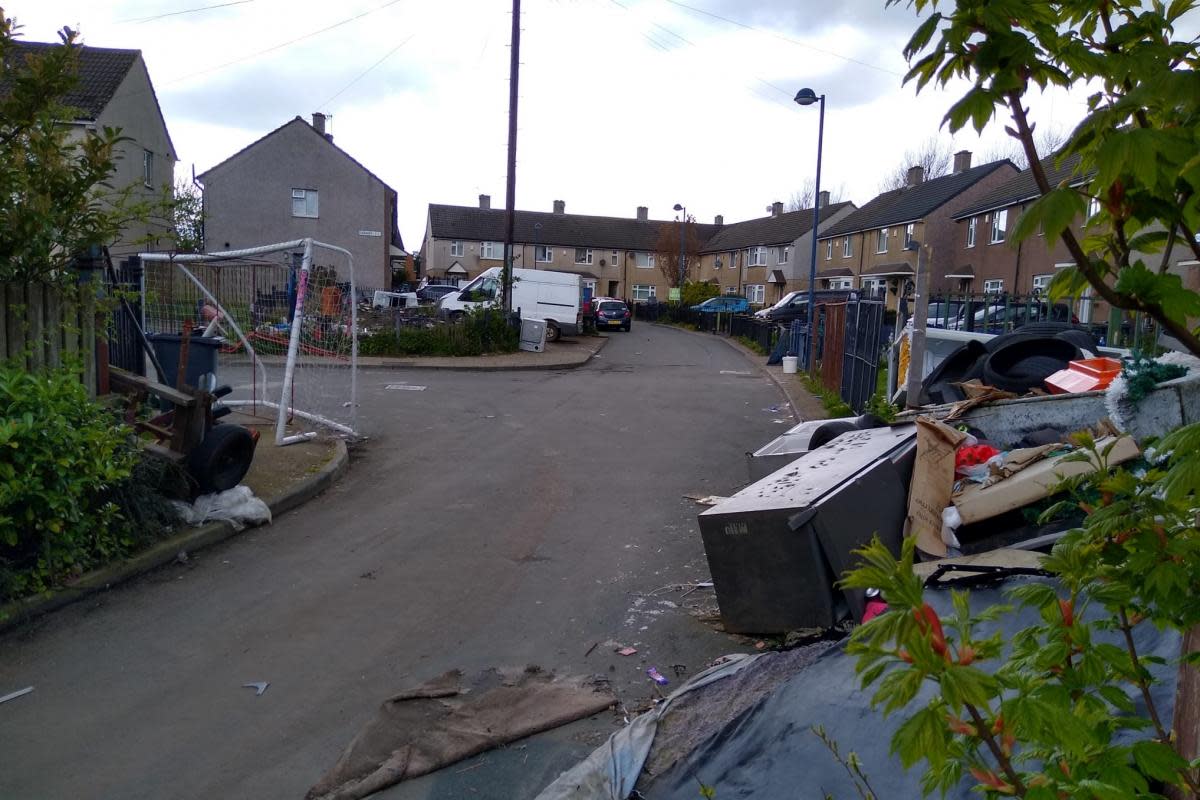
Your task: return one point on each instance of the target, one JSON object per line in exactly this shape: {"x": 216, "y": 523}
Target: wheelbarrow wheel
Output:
{"x": 222, "y": 459}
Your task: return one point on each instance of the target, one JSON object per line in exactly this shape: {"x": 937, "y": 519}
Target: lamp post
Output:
{"x": 682, "y": 231}
{"x": 537, "y": 230}
{"x": 916, "y": 346}
{"x": 806, "y": 97}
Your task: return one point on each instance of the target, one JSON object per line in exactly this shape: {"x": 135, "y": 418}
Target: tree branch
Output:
{"x": 1004, "y": 761}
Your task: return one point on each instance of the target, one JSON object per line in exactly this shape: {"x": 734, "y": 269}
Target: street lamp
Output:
{"x": 682, "y": 230}
{"x": 806, "y": 97}
{"x": 916, "y": 345}
{"x": 537, "y": 229}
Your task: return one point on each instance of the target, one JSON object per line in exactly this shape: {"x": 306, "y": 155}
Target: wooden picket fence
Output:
{"x": 50, "y": 326}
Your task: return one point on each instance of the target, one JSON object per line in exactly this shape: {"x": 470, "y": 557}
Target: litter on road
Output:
{"x": 627, "y": 651}
{"x": 657, "y": 676}
{"x": 404, "y": 387}
{"x": 16, "y": 694}
{"x": 259, "y": 687}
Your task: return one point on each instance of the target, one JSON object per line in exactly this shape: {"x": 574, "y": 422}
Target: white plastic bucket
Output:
{"x": 790, "y": 364}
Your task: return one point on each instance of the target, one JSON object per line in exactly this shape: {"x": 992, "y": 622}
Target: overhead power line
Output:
{"x": 366, "y": 71}
{"x": 184, "y": 11}
{"x": 787, "y": 39}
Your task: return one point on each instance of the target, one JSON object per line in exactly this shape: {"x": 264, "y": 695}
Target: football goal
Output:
{"x": 284, "y": 323}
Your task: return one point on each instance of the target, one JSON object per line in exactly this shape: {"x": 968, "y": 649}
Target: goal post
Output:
{"x": 288, "y": 313}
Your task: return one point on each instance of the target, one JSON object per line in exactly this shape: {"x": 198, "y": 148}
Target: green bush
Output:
{"x": 61, "y": 454}
{"x": 696, "y": 292}
{"x": 481, "y": 331}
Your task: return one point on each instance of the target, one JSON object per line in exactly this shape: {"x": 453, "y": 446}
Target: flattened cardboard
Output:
{"x": 932, "y": 483}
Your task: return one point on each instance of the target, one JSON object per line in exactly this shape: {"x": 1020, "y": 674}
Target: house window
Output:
{"x": 644, "y": 260}
{"x": 583, "y": 255}
{"x": 304, "y": 203}
{"x": 456, "y": 248}
{"x": 491, "y": 250}
{"x": 716, "y": 262}
{"x": 828, "y": 249}
{"x": 1093, "y": 207}
{"x": 993, "y": 286}
{"x": 909, "y": 231}
{"x": 730, "y": 290}
{"x": 881, "y": 241}
{"x": 874, "y": 285}
{"x": 847, "y": 248}
{"x": 642, "y": 292}
{"x": 148, "y": 168}
{"x": 756, "y": 293}
{"x": 783, "y": 254}
{"x": 758, "y": 257}
{"x": 615, "y": 256}
{"x": 1042, "y": 282}
{"x": 999, "y": 223}
{"x": 543, "y": 254}
{"x": 971, "y": 231}
{"x": 840, "y": 283}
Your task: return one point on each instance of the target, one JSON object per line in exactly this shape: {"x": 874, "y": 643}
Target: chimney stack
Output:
{"x": 962, "y": 161}
{"x": 823, "y": 198}
{"x": 643, "y": 213}
{"x": 560, "y": 206}
{"x": 718, "y": 220}
{"x": 916, "y": 175}
{"x": 485, "y": 202}
{"x": 318, "y": 122}
{"x": 776, "y": 208}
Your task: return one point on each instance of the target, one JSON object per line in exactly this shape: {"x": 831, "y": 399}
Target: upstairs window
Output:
{"x": 645, "y": 260}
{"x": 828, "y": 249}
{"x": 999, "y": 224}
{"x": 910, "y": 231}
{"x": 542, "y": 254}
{"x": 456, "y": 248}
{"x": 758, "y": 257}
{"x": 783, "y": 255}
{"x": 881, "y": 241}
{"x": 494, "y": 250}
{"x": 304, "y": 203}
{"x": 583, "y": 255}
{"x": 847, "y": 248}
{"x": 148, "y": 168}
{"x": 971, "y": 231}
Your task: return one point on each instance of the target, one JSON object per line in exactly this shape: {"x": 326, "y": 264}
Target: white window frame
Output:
{"x": 874, "y": 284}
{"x": 782, "y": 254}
{"x": 148, "y": 168}
{"x": 757, "y": 257}
{"x": 587, "y": 255}
{"x": 643, "y": 260}
{"x": 492, "y": 250}
{"x": 644, "y": 291}
{"x": 971, "y": 223}
{"x": 615, "y": 256}
{"x": 910, "y": 234}
{"x": 756, "y": 293}
{"x": 730, "y": 290}
{"x": 1042, "y": 282}
{"x": 828, "y": 249}
{"x": 541, "y": 250}
{"x": 881, "y": 240}
{"x": 456, "y": 247}
{"x": 847, "y": 248}
{"x": 310, "y": 210}
{"x": 999, "y": 226}
{"x": 841, "y": 283}
{"x": 1093, "y": 208}
{"x": 993, "y": 286}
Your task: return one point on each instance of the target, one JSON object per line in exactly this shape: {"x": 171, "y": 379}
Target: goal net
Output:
{"x": 286, "y": 317}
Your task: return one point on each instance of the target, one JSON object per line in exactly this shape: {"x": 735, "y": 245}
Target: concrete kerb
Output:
{"x": 190, "y": 540}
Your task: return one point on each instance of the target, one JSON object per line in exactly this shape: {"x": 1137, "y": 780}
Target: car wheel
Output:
{"x": 552, "y": 332}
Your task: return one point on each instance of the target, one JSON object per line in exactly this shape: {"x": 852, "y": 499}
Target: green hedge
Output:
{"x": 480, "y": 331}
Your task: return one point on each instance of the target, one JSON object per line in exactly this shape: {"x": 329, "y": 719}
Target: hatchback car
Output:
{"x": 725, "y": 304}
{"x": 433, "y": 293}
{"x": 613, "y": 314}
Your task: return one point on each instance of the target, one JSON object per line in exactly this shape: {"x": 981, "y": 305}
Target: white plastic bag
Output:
{"x": 237, "y": 506}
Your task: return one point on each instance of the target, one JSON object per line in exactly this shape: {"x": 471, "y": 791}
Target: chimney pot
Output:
{"x": 776, "y": 208}
{"x": 318, "y": 122}
{"x": 560, "y": 206}
{"x": 916, "y": 175}
{"x": 643, "y": 213}
{"x": 485, "y": 201}
{"x": 962, "y": 161}
{"x": 719, "y": 219}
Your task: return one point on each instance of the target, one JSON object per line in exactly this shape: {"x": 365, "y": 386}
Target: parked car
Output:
{"x": 797, "y": 307}
{"x": 434, "y": 293}
{"x": 998, "y": 317}
{"x": 764, "y": 313}
{"x": 612, "y": 313}
{"x": 725, "y": 304}
{"x": 553, "y": 297}
{"x": 945, "y": 314}
{"x": 382, "y": 299}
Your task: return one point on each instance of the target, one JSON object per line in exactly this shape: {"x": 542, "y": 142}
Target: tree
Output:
{"x": 1055, "y": 720}
{"x": 54, "y": 202}
{"x": 666, "y": 251}
{"x": 1049, "y": 141}
{"x": 932, "y": 155}
{"x": 186, "y": 214}
{"x": 806, "y": 195}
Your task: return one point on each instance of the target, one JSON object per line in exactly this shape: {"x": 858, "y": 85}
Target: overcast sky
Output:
{"x": 622, "y": 102}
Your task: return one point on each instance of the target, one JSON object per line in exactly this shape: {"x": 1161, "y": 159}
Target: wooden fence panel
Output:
{"x": 46, "y": 326}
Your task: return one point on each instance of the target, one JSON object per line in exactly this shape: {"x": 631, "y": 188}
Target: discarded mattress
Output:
{"x": 771, "y": 751}
{"x": 450, "y": 718}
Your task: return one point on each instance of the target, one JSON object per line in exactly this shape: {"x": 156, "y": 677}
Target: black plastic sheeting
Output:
{"x": 771, "y": 751}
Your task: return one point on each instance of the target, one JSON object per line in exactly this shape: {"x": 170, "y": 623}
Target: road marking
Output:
{"x": 404, "y": 387}
{"x": 734, "y": 372}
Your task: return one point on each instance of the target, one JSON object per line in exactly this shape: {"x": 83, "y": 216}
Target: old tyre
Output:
{"x": 1022, "y": 364}
{"x": 222, "y": 459}
{"x": 552, "y": 332}
{"x": 830, "y": 431}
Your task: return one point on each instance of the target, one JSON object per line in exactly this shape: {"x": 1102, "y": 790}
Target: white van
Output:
{"x": 542, "y": 294}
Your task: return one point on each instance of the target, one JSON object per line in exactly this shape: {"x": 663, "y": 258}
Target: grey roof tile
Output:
{"x": 101, "y": 71}
{"x": 783, "y": 229}
{"x": 912, "y": 203}
{"x": 1023, "y": 186}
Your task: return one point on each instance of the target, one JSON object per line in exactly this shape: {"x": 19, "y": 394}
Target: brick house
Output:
{"x": 866, "y": 250}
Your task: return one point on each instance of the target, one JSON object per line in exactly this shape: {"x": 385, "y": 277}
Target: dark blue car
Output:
{"x": 726, "y": 304}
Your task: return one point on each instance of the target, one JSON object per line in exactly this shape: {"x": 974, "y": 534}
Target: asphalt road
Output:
{"x": 492, "y": 519}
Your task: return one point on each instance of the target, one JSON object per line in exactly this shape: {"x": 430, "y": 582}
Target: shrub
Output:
{"x": 60, "y": 456}
{"x": 480, "y": 331}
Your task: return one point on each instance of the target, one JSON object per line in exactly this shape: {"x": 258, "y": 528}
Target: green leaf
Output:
{"x": 1159, "y": 761}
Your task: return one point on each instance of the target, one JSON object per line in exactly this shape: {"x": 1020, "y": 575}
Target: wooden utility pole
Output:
{"x": 514, "y": 69}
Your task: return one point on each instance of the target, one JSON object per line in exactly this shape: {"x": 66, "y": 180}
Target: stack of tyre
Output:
{"x": 1015, "y": 362}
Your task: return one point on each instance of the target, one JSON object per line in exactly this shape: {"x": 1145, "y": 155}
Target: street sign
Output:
{"x": 673, "y": 295}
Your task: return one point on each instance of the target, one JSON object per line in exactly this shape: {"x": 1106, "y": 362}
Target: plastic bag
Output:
{"x": 237, "y": 506}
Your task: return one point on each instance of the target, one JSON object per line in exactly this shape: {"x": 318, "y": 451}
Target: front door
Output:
{"x": 612, "y": 288}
